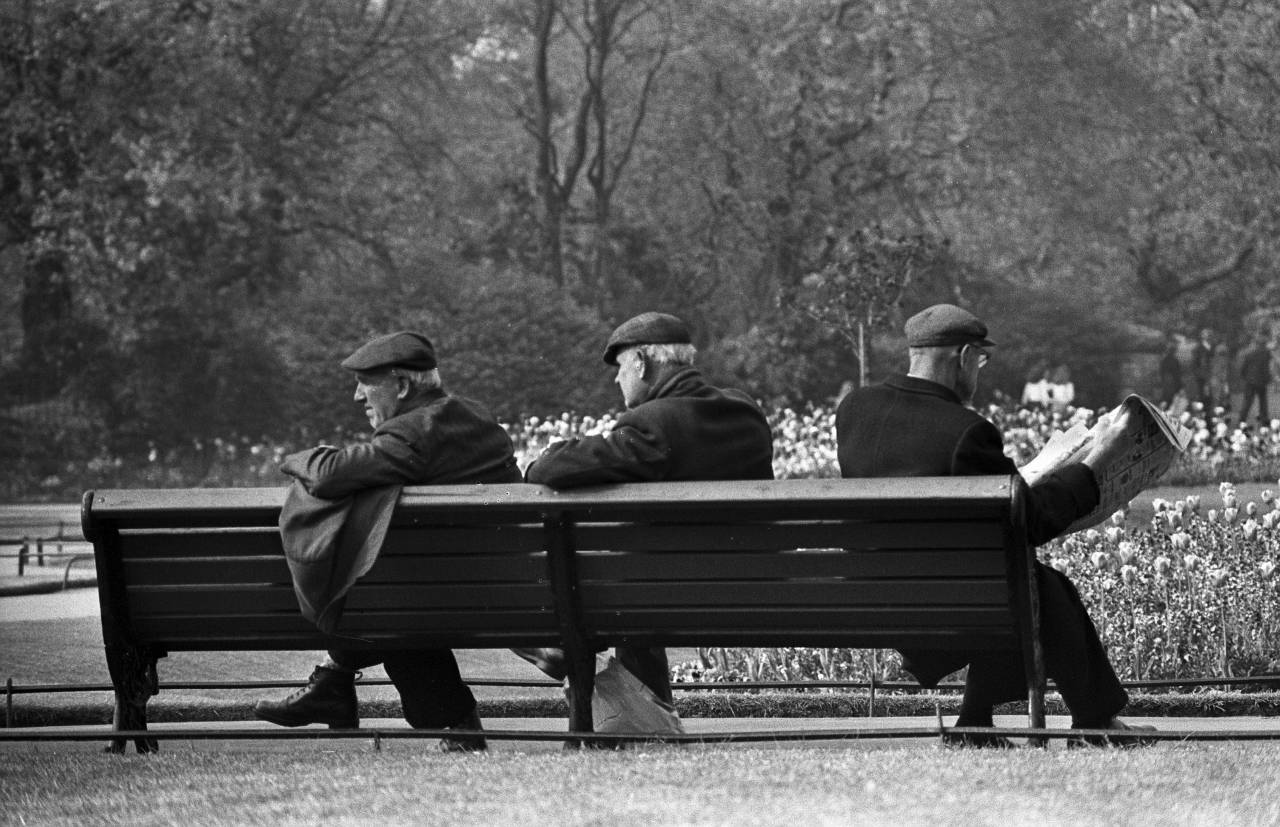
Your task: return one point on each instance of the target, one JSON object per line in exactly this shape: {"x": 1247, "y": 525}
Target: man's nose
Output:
{"x": 359, "y": 397}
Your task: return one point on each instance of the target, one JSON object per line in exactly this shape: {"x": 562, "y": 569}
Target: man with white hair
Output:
{"x": 677, "y": 427}
{"x": 422, "y": 436}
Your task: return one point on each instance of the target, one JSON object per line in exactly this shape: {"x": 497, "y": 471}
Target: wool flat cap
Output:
{"x": 943, "y": 325}
{"x": 402, "y": 349}
{"x": 646, "y": 329}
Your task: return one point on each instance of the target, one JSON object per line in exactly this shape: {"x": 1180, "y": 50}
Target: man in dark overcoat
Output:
{"x": 677, "y": 426}
{"x": 918, "y": 424}
{"x": 422, "y": 436}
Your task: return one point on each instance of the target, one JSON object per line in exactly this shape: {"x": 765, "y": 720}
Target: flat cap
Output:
{"x": 943, "y": 325}
{"x": 646, "y": 329}
{"x": 402, "y": 349}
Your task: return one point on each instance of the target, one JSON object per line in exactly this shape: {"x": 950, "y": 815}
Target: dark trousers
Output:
{"x": 649, "y": 664}
{"x": 431, "y": 689}
{"x": 1074, "y": 658}
{"x": 1252, "y": 392}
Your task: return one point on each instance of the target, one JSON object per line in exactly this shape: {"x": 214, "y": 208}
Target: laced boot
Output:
{"x": 465, "y": 743}
{"x": 328, "y": 698}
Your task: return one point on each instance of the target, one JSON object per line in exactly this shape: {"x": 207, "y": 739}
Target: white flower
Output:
{"x": 1180, "y": 540}
{"x": 1101, "y": 560}
{"x": 1249, "y": 529}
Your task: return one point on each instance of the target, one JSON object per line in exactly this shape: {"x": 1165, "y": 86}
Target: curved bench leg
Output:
{"x": 133, "y": 674}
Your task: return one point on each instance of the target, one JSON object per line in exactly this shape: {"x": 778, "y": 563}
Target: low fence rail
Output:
{"x": 871, "y": 686}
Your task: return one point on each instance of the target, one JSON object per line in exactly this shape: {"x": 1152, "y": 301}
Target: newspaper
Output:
{"x": 1151, "y": 441}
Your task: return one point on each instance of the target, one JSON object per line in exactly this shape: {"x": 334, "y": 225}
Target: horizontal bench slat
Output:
{"x": 770, "y": 617}
{"x": 610, "y": 566}
{"x": 491, "y": 568}
{"x": 676, "y": 597}
{"x": 760, "y": 536}
{"x": 260, "y": 598}
{"x": 161, "y": 628}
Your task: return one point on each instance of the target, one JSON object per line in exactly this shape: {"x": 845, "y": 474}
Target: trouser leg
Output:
{"x": 1246, "y": 404}
{"x": 1074, "y": 658}
{"x": 432, "y": 692}
{"x": 649, "y": 664}
{"x": 431, "y": 689}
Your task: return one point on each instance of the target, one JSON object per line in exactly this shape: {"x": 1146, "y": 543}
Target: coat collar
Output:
{"x": 926, "y": 387}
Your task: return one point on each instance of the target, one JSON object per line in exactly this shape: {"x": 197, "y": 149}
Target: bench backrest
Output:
{"x": 864, "y": 563}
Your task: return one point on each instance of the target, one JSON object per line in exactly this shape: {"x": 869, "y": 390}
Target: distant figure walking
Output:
{"x": 1170, "y": 371}
{"x": 1201, "y": 370}
{"x": 1255, "y": 376}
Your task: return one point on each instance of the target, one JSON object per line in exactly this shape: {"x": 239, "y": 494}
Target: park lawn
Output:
{"x": 1191, "y": 784}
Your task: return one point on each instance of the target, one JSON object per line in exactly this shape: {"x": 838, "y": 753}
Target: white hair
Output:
{"x": 419, "y": 379}
{"x": 666, "y": 354}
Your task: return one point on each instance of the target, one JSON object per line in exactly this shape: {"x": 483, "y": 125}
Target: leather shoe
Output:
{"x": 549, "y": 660}
{"x": 328, "y": 698}
{"x": 465, "y": 743}
{"x": 1116, "y": 725}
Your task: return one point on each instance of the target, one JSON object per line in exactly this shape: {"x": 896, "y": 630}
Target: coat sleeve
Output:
{"x": 1053, "y": 504}
{"x": 330, "y": 473}
{"x": 629, "y": 453}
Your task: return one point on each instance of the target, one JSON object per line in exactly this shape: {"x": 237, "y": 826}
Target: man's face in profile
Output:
{"x": 630, "y": 378}
{"x": 380, "y": 395}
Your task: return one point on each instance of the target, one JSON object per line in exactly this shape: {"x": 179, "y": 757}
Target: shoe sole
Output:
{"x": 294, "y": 722}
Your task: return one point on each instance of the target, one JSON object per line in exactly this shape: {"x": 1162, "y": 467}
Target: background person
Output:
{"x": 1170, "y": 371}
{"x": 1255, "y": 378}
{"x": 421, "y": 436}
{"x": 917, "y": 424}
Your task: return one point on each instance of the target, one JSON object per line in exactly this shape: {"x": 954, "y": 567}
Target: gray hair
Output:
{"x": 425, "y": 380}
{"x": 666, "y": 354}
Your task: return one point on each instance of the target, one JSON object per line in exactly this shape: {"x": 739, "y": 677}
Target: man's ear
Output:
{"x": 646, "y": 366}
{"x": 403, "y": 386}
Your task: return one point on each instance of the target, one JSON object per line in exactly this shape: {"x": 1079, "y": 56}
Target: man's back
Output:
{"x": 911, "y": 427}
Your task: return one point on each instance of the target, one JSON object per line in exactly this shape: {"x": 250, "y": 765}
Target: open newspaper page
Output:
{"x": 1151, "y": 442}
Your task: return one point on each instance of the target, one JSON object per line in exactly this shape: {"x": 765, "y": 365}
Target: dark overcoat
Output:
{"x": 685, "y": 429}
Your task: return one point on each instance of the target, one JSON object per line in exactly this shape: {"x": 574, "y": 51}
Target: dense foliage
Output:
{"x": 203, "y": 206}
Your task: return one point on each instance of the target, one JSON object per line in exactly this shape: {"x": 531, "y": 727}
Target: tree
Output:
{"x": 862, "y": 281}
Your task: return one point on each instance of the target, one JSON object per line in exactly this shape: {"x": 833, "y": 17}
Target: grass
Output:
{"x": 915, "y": 784}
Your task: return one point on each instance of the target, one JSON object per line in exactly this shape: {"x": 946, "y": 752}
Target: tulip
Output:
{"x": 1180, "y": 540}
{"x": 1113, "y": 534}
{"x": 1249, "y": 529}
{"x": 1270, "y": 519}
{"x": 1092, "y": 537}
{"x": 1193, "y": 502}
{"x": 1190, "y": 562}
{"x": 1251, "y": 509}
{"x": 1212, "y": 515}
{"x": 1069, "y": 546}
{"x": 1117, "y": 519}
{"x": 1158, "y": 504}
{"x": 1128, "y": 573}
{"x": 1229, "y": 515}
{"x": 1059, "y": 564}
{"x": 1173, "y": 519}
{"x": 1162, "y": 565}
{"x": 1267, "y": 569}
{"x": 1267, "y": 495}
{"x": 1225, "y": 488}
{"x": 1101, "y": 560}
{"x": 1125, "y": 552}
{"x": 1229, "y": 501}
{"x": 1217, "y": 577}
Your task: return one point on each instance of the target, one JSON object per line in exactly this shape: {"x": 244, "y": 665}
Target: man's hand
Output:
{"x": 1108, "y": 439}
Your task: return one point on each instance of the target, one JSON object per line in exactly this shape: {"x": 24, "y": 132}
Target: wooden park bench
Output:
{"x": 919, "y": 562}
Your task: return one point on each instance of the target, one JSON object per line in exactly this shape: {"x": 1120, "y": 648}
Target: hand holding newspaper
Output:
{"x": 1139, "y": 455}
